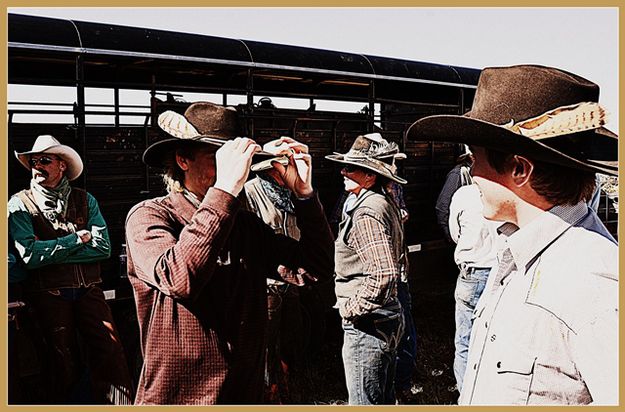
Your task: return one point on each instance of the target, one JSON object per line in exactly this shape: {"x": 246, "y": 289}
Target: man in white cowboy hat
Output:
{"x": 369, "y": 259}
{"x": 198, "y": 263}
{"x": 546, "y": 327}
{"x": 61, "y": 236}
{"x": 267, "y": 196}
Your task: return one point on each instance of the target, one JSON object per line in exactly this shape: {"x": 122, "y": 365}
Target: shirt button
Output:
{"x": 486, "y": 325}
{"x": 474, "y": 366}
{"x": 499, "y": 364}
{"x": 493, "y": 338}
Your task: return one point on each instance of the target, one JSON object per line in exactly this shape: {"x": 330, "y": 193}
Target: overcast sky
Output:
{"x": 581, "y": 40}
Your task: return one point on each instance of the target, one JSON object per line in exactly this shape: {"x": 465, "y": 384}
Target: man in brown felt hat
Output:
{"x": 61, "y": 236}
{"x": 198, "y": 263}
{"x": 546, "y": 327}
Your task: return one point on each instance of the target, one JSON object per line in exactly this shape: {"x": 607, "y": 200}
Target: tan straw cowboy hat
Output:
{"x": 546, "y": 114}
{"x": 49, "y": 145}
{"x": 373, "y": 152}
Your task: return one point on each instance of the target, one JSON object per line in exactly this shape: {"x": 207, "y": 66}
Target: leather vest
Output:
{"x": 62, "y": 275}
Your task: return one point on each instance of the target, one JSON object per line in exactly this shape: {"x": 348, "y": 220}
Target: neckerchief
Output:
{"x": 52, "y": 202}
{"x": 280, "y": 196}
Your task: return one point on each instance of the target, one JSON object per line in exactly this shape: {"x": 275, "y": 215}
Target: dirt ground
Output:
{"x": 432, "y": 282}
{"x": 321, "y": 378}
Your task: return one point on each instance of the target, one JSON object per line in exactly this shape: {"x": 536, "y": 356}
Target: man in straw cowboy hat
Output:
{"x": 198, "y": 263}
{"x": 61, "y": 236}
{"x": 546, "y": 327}
{"x": 369, "y": 258}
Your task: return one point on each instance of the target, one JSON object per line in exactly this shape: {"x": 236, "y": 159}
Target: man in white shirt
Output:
{"x": 475, "y": 255}
{"x": 546, "y": 327}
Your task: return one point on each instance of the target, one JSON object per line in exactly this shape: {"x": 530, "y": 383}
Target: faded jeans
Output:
{"x": 469, "y": 288}
{"x": 370, "y": 356}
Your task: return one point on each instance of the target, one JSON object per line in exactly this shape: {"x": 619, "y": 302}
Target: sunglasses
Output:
{"x": 43, "y": 160}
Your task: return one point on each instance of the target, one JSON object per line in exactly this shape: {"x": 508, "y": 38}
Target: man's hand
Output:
{"x": 232, "y": 163}
{"x": 84, "y": 235}
{"x": 299, "y": 277}
{"x": 297, "y": 175}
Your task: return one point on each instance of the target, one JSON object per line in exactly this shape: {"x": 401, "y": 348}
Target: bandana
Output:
{"x": 280, "y": 196}
{"x": 52, "y": 202}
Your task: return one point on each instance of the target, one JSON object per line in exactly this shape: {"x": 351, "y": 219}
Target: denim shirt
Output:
{"x": 546, "y": 328}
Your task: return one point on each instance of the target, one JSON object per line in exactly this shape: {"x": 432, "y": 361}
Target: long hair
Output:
{"x": 173, "y": 175}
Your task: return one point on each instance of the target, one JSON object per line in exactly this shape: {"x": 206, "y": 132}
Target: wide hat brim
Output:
{"x": 157, "y": 152}
{"x": 70, "y": 156}
{"x": 340, "y": 158}
{"x": 597, "y": 148}
{"x": 268, "y": 163}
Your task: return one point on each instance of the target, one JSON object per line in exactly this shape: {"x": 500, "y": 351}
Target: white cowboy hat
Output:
{"x": 48, "y": 144}
{"x": 279, "y": 150}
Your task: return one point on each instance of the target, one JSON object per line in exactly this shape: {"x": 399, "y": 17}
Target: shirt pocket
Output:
{"x": 515, "y": 375}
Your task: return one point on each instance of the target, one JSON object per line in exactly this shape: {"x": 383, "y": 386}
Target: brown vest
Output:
{"x": 62, "y": 275}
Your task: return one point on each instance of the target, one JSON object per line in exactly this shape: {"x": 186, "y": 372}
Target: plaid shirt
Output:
{"x": 375, "y": 243}
{"x": 199, "y": 282}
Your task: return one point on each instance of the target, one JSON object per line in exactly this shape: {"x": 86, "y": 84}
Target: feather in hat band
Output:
{"x": 564, "y": 120}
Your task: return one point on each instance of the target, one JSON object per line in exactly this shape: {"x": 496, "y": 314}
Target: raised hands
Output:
{"x": 232, "y": 162}
{"x": 297, "y": 175}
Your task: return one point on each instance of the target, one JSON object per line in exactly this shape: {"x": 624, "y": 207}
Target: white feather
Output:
{"x": 563, "y": 120}
{"x": 177, "y": 125}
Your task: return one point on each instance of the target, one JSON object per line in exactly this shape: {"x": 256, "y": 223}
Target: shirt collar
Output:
{"x": 527, "y": 243}
{"x": 353, "y": 203}
{"x": 182, "y": 206}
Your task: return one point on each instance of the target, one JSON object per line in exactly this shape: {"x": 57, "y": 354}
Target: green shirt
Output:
{"x": 65, "y": 249}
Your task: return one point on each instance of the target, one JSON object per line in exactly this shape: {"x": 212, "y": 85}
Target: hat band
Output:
{"x": 379, "y": 163}
{"x": 564, "y": 120}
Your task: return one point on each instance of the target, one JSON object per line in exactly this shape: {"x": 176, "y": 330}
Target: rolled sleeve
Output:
{"x": 36, "y": 253}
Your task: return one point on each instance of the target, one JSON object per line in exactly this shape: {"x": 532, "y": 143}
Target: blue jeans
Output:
{"x": 370, "y": 355}
{"x": 407, "y": 349}
{"x": 469, "y": 288}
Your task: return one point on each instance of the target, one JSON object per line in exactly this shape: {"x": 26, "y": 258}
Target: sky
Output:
{"x": 580, "y": 40}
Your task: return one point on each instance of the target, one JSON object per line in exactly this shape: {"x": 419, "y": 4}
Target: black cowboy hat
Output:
{"x": 546, "y": 114}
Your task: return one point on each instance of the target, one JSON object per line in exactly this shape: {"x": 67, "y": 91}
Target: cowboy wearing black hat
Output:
{"x": 546, "y": 327}
{"x": 61, "y": 237}
{"x": 198, "y": 264}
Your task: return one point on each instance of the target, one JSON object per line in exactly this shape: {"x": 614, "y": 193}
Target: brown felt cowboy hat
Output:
{"x": 49, "y": 145}
{"x": 202, "y": 122}
{"x": 372, "y": 152}
{"x": 546, "y": 114}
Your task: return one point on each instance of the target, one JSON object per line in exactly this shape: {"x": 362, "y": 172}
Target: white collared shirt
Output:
{"x": 474, "y": 235}
{"x": 546, "y": 328}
